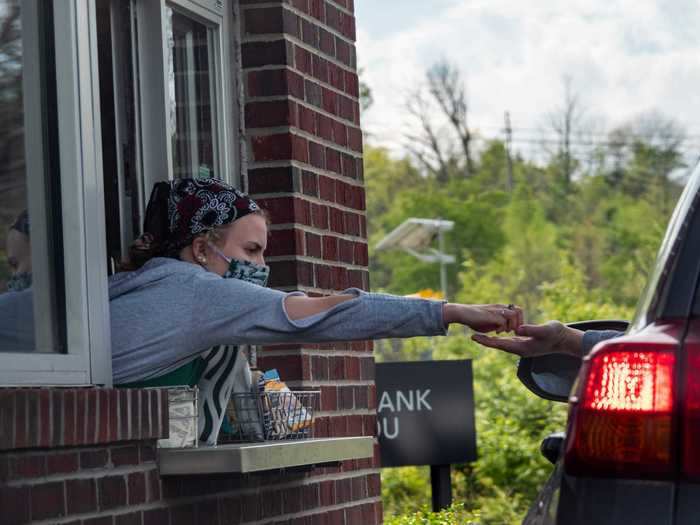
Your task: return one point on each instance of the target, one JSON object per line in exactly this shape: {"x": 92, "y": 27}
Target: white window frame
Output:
{"x": 152, "y": 57}
{"x": 88, "y": 355}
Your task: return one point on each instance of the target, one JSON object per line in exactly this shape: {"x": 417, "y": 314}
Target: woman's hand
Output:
{"x": 535, "y": 340}
{"x": 484, "y": 317}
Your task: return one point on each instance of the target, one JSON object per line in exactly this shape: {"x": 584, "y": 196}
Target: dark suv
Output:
{"x": 630, "y": 453}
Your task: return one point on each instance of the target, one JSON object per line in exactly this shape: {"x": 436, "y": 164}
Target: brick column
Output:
{"x": 304, "y": 141}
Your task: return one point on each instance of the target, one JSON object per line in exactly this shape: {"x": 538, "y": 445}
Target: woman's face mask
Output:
{"x": 19, "y": 281}
{"x": 244, "y": 270}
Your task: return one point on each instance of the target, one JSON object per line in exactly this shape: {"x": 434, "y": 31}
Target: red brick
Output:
{"x": 273, "y": 503}
{"x": 317, "y": 157}
{"x": 275, "y": 82}
{"x": 333, "y": 161}
{"x": 346, "y": 251}
{"x": 301, "y": 5}
{"x": 326, "y": 42}
{"x": 355, "y": 139}
{"x": 338, "y": 426}
{"x": 272, "y": 147}
{"x": 103, "y": 419}
{"x": 81, "y": 496}
{"x": 319, "y": 368}
{"x": 156, "y": 517}
{"x": 337, "y": 367}
{"x": 102, "y": 520}
{"x": 336, "y": 76}
{"x": 15, "y": 504}
{"x": 343, "y": 51}
{"x": 61, "y": 463}
{"x": 313, "y": 245}
{"x": 271, "y": 180}
{"x": 309, "y": 183}
{"x": 257, "y": 54}
{"x": 347, "y": 397}
{"x": 32, "y": 418}
{"x": 343, "y": 490}
{"x": 124, "y": 432}
{"x": 44, "y": 418}
{"x": 326, "y": 127}
{"x": 340, "y": 279}
{"x": 360, "y": 255}
{"x": 132, "y": 518}
{"x": 48, "y": 501}
{"x": 263, "y": 114}
{"x": 317, "y": 9}
{"x": 313, "y": 93}
{"x": 329, "y": 398}
{"x": 136, "y": 484}
{"x": 319, "y": 215}
{"x": 361, "y": 396}
{"x": 16, "y": 415}
{"x": 154, "y": 485}
{"x": 183, "y": 515}
{"x": 330, "y": 248}
{"x": 308, "y": 120}
{"x": 349, "y": 165}
{"x": 26, "y": 467}
{"x": 309, "y": 33}
{"x": 112, "y": 492}
{"x": 367, "y": 368}
{"x": 337, "y": 221}
{"x": 327, "y": 493}
{"x": 302, "y": 60}
{"x": 292, "y": 500}
{"x": 300, "y": 149}
{"x": 56, "y": 417}
{"x": 329, "y": 101}
{"x": 310, "y": 496}
{"x": 323, "y": 277}
{"x": 372, "y": 397}
{"x": 352, "y": 224}
{"x": 352, "y": 368}
{"x": 351, "y": 83}
{"x": 282, "y": 242}
{"x": 346, "y": 108}
{"x": 326, "y": 188}
{"x": 369, "y": 425}
{"x": 264, "y": 20}
{"x": 289, "y": 366}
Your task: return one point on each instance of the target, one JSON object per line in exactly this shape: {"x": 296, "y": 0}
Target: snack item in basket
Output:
{"x": 284, "y": 413}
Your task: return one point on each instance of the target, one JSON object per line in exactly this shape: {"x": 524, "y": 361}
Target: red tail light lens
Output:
{"x": 621, "y": 417}
{"x": 691, "y": 409}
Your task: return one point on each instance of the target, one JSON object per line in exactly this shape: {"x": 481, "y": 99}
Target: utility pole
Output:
{"x": 509, "y": 143}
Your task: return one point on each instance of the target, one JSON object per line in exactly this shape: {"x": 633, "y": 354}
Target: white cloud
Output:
{"x": 624, "y": 57}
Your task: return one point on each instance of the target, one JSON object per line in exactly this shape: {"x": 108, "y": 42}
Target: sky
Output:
{"x": 623, "y": 57}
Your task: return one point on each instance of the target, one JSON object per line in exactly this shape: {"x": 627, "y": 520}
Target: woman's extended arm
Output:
{"x": 483, "y": 318}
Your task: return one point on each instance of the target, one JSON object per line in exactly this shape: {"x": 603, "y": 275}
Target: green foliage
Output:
{"x": 569, "y": 250}
{"x": 455, "y": 515}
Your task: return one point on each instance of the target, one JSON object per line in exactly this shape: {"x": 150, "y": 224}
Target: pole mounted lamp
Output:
{"x": 414, "y": 236}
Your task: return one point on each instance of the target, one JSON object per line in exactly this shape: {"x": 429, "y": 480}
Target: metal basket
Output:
{"x": 271, "y": 416}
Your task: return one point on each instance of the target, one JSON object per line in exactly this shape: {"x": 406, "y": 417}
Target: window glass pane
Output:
{"x": 191, "y": 93}
{"x": 32, "y": 305}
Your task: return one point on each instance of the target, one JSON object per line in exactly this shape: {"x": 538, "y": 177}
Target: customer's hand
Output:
{"x": 535, "y": 340}
{"x": 484, "y": 317}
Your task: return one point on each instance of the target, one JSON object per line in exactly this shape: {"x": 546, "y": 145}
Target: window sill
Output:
{"x": 257, "y": 457}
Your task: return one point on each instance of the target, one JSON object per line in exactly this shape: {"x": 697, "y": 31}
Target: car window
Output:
{"x": 647, "y": 309}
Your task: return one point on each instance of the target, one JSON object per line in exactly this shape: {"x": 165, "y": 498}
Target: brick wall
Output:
{"x": 88, "y": 456}
{"x": 302, "y": 119}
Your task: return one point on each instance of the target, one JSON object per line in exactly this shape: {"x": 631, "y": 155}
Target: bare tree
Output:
{"x": 447, "y": 88}
{"x": 442, "y": 141}
{"x": 566, "y": 121}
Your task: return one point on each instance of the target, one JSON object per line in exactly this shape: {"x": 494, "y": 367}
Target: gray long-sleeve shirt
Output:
{"x": 166, "y": 313}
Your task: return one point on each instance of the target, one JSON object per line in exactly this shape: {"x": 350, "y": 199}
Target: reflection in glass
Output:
{"x": 191, "y": 96}
{"x": 27, "y": 133}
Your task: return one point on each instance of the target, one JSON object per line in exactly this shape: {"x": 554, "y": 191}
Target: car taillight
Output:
{"x": 691, "y": 409}
{"x": 621, "y": 420}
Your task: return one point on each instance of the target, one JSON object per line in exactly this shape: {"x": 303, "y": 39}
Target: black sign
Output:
{"x": 425, "y": 413}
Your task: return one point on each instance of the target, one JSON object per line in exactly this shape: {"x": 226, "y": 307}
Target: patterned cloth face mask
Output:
{"x": 244, "y": 270}
{"x": 19, "y": 281}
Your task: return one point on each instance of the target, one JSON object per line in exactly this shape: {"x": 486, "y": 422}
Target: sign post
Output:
{"x": 425, "y": 416}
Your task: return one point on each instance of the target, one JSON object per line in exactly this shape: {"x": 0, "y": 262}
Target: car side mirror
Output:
{"x": 552, "y": 376}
